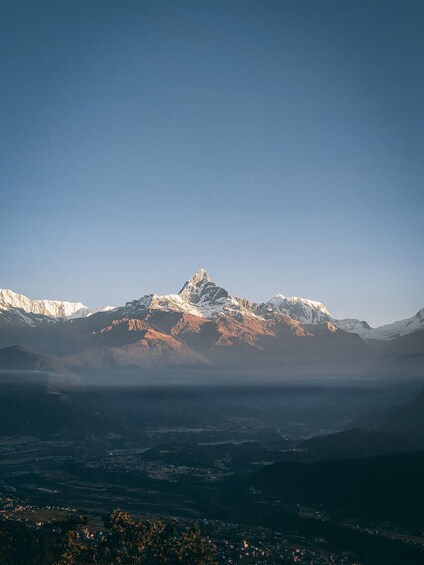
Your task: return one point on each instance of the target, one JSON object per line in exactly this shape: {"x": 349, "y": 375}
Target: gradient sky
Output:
{"x": 280, "y": 145}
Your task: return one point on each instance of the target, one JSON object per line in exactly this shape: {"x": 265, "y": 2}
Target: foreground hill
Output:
{"x": 17, "y": 358}
{"x": 405, "y": 419}
{"x": 388, "y": 487}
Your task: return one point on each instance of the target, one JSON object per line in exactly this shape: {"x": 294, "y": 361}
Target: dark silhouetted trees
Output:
{"x": 125, "y": 542}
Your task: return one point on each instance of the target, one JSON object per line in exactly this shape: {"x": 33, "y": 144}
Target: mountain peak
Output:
{"x": 301, "y": 309}
{"x": 200, "y": 276}
{"x": 201, "y": 288}
{"x": 197, "y": 281}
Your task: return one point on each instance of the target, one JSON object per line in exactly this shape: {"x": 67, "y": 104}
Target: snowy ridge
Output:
{"x": 301, "y": 309}
{"x": 165, "y": 303}
{"x": 59, "y": 309}
{"x": 388, "y": 331}
{"x": 201, "y": 297}
{"x": 53, "y": 308}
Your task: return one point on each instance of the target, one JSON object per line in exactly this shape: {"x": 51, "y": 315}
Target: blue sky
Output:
{"x": 277, "y": 144}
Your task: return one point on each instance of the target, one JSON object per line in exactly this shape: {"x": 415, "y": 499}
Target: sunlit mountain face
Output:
{"x": 204, "y": 326}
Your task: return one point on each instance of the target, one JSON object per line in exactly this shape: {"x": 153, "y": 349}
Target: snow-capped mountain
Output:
{"x": 388, "y": 331}
{"x": 200, "y": 296}
{"x": 301, "y": 309}
{"x": 312, "y": 312}
{"x": 30, "y": 311}
{"x": 52, "y": 308}
{"x": 204, "y": 325}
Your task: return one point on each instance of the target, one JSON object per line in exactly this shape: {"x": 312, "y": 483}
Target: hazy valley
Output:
{"x": 272, "y": 422}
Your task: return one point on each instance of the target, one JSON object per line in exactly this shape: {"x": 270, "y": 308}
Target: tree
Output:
{"x": 145, "y": 541}
{"x": 22, "y": 545}
{"x": 126, "y": 542}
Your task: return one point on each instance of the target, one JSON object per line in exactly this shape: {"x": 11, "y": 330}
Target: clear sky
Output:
{"x": 280, "y": 145}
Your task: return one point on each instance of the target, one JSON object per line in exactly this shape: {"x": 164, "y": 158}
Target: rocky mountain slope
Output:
{"x": 204, "y": 325}
{"x": 201, "y": 297}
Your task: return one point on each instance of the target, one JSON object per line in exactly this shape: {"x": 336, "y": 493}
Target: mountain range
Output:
{"x": 29, "y": 311}
{"x": 204, "y": 325}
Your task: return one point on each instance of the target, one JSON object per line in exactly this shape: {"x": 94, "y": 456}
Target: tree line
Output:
{"x": 126, "y": 541}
